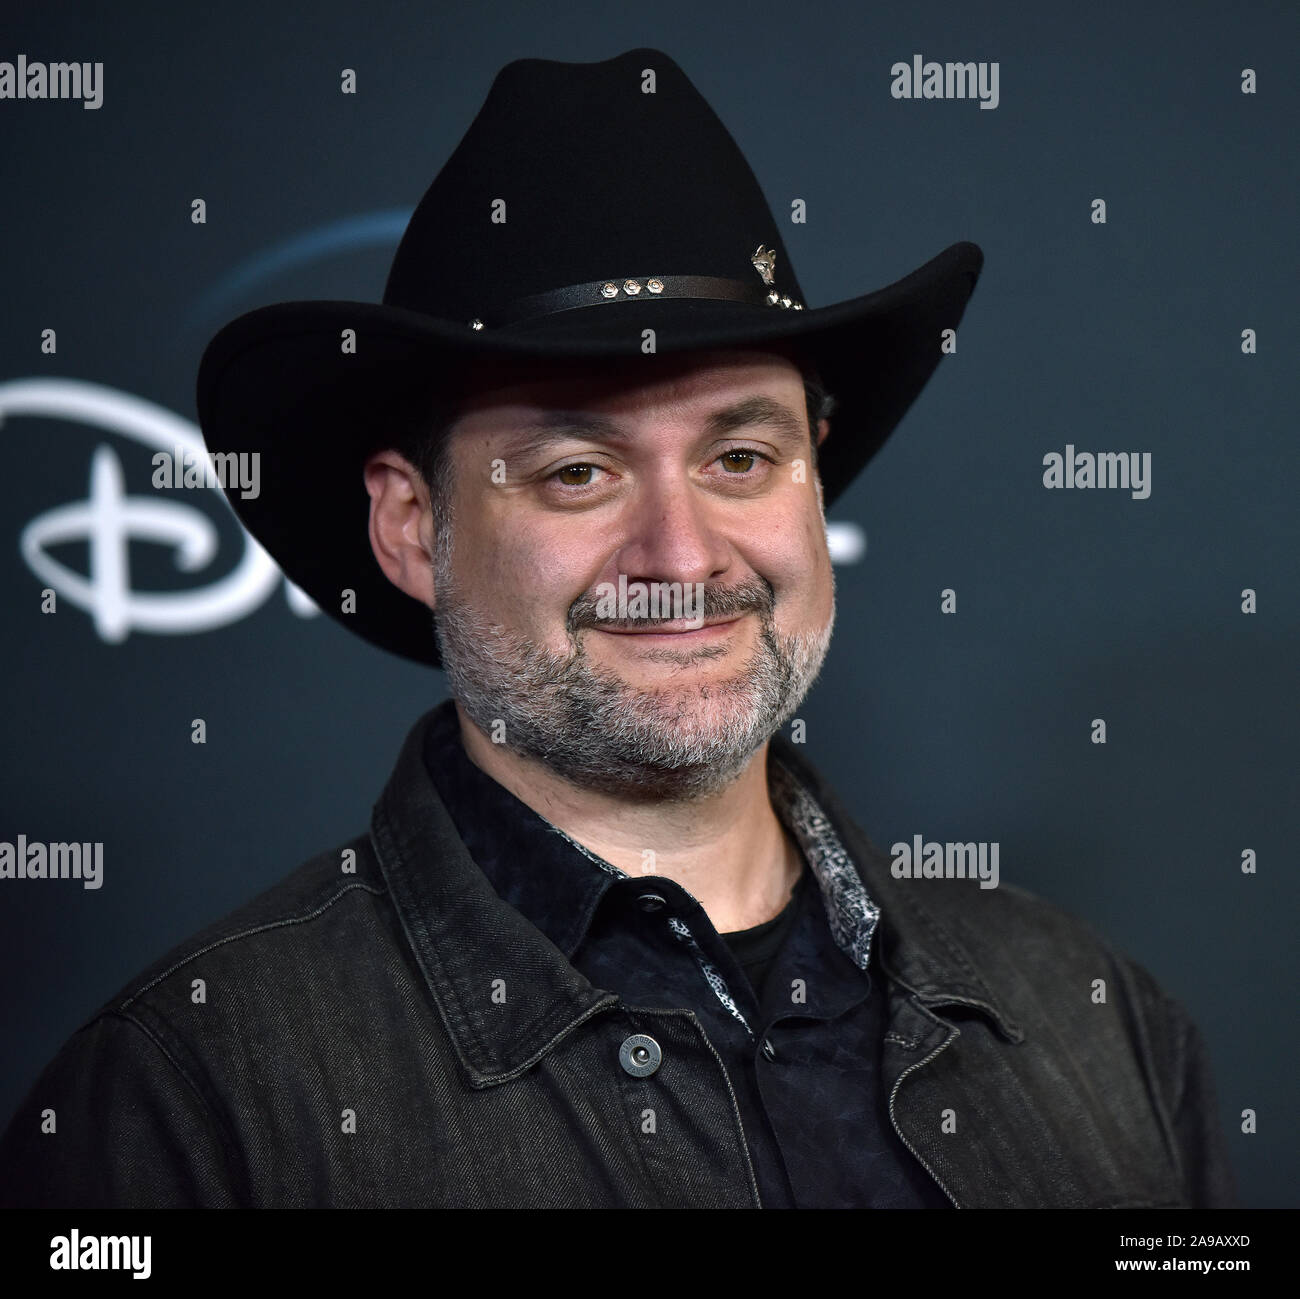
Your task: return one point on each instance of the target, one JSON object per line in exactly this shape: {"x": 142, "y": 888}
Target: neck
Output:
{"x": 729, "y": 850}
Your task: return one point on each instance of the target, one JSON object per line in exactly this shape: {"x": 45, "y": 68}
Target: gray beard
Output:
{"x": 595, "y": 731}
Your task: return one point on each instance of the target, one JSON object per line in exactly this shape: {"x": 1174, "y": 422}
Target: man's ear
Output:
{"x": 401, "y": 524}
{"x": 823, "y": 428}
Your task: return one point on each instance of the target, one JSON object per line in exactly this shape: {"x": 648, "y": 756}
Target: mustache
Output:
{"x": 755, "y": 595}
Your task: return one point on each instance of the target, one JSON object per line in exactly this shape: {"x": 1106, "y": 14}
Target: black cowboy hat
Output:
{"x": 587, "y": 203}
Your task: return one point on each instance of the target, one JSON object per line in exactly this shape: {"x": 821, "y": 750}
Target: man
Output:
{"x": 610, "y": 940}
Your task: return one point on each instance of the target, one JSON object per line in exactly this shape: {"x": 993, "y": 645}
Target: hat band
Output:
{"x": 595, "y": 292}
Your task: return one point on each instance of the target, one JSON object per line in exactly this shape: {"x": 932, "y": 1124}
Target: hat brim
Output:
{"x": 277, "y": 381}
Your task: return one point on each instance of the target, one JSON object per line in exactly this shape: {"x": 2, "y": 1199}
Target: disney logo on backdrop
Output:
{"x": 108, "y": 519}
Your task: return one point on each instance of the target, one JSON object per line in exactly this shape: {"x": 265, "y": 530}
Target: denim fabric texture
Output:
{"x": 383, "y": 1027}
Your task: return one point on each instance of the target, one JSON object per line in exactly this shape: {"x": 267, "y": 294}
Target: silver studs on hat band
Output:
{"x": 631, "y": 287}
{"x": 700, "y": 287}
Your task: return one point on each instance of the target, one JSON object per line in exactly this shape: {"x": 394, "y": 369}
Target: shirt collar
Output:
{"x": 918, "y": 948}
{"x": 557, "y": 883}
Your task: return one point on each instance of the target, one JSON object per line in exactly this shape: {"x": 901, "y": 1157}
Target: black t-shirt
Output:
{"x": 755, "y": 948}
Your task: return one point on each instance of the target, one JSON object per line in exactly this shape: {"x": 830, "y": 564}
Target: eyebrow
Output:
{"x": 554, "y": 426}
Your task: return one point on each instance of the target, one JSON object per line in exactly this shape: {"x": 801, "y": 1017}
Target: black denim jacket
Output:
{"x": 330, "y": 1044}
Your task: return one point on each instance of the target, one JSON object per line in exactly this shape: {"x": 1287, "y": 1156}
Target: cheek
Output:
{"x": 525, "y": 574}
{"x": 793, "y": 557}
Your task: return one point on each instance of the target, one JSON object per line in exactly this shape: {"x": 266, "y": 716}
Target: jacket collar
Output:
{"x": 506, "y": 993}
{"x": 544, "y": 874}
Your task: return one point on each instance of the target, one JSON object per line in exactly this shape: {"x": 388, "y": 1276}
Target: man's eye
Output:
{"x": 738, "y": 462}
{"x": 576, "y": 475}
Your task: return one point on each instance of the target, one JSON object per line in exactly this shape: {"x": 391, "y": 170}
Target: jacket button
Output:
{"x": 651, "y": 902}
{"x": 640, "y": 1055}
{"x": 768, "y": 1049}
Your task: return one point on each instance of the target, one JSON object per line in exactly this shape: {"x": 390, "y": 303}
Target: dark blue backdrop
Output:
{"x": 1072, "y": 605}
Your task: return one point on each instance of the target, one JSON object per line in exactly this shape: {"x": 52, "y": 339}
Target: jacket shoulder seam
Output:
{"x": 281, "y": 923}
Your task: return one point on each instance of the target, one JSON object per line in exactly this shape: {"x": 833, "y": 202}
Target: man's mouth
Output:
{"x": 676, "y": 630}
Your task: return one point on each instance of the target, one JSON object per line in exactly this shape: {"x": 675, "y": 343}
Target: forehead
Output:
{"x": 625, "y": 382}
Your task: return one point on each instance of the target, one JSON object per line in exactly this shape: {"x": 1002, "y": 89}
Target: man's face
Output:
{"x": 689, "y": 471}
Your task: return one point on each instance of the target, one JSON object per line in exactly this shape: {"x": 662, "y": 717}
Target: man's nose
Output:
{"x": 672, "y": 534}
